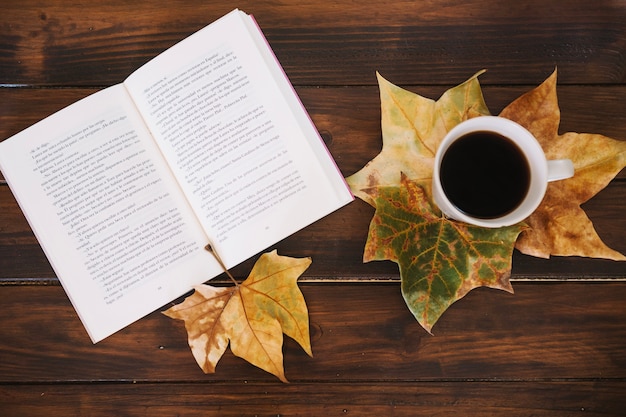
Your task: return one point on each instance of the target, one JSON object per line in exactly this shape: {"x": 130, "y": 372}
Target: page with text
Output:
{"x": 106, "y": 210}
{"x": 248, "y": 158}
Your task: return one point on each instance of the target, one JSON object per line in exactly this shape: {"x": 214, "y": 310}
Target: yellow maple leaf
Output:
{"x": 252, "y": 316}
{"x": 412, "y": 128}
{"x": 560, "y": 226}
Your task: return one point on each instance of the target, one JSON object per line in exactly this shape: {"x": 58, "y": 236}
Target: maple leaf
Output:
{"x": 440, "y": 259}
{"x": 252, "y": 316}
{"x": 412, "y": 128}
{"x": 560, "y": 226}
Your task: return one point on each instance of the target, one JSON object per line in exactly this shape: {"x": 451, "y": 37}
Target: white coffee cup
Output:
{"x": 468, "y": 181}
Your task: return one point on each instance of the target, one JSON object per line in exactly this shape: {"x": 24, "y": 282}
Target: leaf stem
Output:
{"x": 209, "y": 248}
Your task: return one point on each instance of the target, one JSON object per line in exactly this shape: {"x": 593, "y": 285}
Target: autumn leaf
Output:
{"x": 412, "y": 128}
{"x": 560, "y": 226}
{"x": 252, "y": 316}
{"x": 440, "y": 260}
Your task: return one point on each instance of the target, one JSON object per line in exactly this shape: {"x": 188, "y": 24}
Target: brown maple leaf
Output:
{"x": 252, "y": 316}
{"x": 560, "y": 226}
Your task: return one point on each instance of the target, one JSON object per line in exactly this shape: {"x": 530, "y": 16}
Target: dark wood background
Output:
{"x": 557, "y": 347}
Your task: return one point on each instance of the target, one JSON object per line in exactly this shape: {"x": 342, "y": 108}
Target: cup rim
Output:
{"x": 529, "y": 146}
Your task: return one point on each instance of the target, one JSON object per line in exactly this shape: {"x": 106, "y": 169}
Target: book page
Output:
{"x": 106, "y": 211}
{"x": 239, "y": 142}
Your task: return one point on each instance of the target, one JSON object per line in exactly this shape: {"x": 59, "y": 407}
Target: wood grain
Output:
{"x": 336, "y": 245}
{"x": 349, "y": 118}
{"x": 326, "y": 42}
{"x": 359, "y": 333}
{"x": 466, "y": 398}
{"x": 349, "y": 122}
{"x": 537, "y": 352}
{"x": 557, "y": 347}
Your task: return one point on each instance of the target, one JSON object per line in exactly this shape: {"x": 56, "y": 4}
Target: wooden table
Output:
{"x": 557, "y": 347}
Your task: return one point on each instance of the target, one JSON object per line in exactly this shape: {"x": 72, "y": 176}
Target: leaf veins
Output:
{"x": 252, "y": 316}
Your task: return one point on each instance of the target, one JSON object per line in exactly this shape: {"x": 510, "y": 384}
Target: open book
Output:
{"x": 206, "y": 143}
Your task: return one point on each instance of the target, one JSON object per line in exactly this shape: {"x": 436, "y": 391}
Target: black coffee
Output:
{"x": 485, "y": 175}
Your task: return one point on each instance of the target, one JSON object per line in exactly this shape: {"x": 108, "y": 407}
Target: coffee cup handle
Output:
{"x": 560, "y": 169}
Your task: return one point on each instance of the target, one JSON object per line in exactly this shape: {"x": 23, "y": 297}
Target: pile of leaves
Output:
{"x": 440, "y": 259}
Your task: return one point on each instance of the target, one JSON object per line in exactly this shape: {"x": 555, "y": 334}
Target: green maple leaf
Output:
{"x": 440, "y": 260}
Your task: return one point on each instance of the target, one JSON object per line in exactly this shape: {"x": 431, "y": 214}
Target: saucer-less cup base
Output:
{"x": 541, "y": 170}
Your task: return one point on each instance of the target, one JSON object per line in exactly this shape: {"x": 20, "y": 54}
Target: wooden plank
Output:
{"x": 336, "y": 242}
{"x": 465, "y": 398}
{"x": 323, "y": 43}
{"x": 551, "y": 349}
{"x": 359, "y": 334}
{"x": 336, "y": 245}
{"x": 349, "y": 118}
